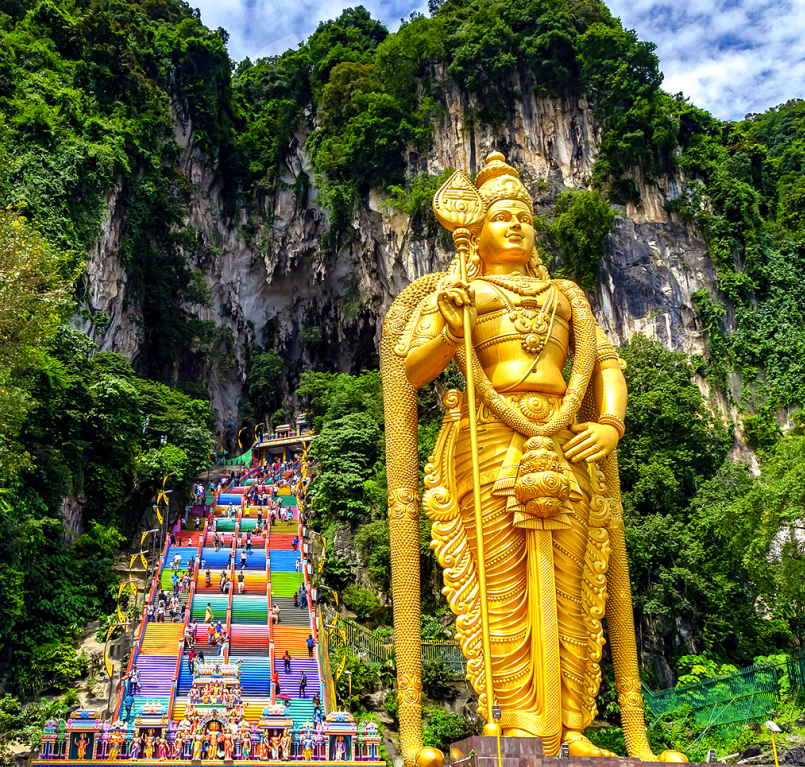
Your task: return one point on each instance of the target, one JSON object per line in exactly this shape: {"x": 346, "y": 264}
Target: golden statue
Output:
{"x": 524, "y": 455}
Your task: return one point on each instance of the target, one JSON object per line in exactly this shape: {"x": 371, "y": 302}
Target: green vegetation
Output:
{"x": 86, "y": 439}
{"x": 581, "y": 221}
{"x": 745, "y": 186}
{"x": 441, "y": 728}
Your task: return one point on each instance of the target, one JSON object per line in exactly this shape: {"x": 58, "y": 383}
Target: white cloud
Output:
{"x": 729, "y": 56}
{"x": 262, "y": 27}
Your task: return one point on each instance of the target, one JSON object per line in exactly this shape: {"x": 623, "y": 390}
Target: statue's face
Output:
{"x": 507, "y": 235}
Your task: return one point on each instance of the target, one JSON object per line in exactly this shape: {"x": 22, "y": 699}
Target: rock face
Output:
{"x": 282, "y": 279}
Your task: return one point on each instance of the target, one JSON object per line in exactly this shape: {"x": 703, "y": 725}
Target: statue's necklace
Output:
{"x": 527, "y": 318}
{"x": 516, "y": 283}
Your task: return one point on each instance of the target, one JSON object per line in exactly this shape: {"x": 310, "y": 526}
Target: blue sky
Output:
{"x": 729, "y": 56}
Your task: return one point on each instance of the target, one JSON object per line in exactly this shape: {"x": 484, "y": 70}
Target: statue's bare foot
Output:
{"x": 581, "y": 746}
{"x": 672, "y": 756}
{"x": 429, "y": 757}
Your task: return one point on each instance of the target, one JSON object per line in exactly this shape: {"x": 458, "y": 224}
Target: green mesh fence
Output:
{"x": 243, "y": 460}
{"x": 729, "y": 702}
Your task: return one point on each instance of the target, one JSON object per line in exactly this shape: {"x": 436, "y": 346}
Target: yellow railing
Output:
{"x": 324, "y": 662}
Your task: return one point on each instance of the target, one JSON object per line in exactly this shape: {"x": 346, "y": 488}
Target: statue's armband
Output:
{"x": 423, "y": 326}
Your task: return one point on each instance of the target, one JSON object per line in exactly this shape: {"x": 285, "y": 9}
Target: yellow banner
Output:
{"x": 129, "y": 584}
{"x": 342, "y": 665}
{"x": 106, "y": 661}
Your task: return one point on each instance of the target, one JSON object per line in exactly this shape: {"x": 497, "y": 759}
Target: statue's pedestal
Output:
{"x": 480, "y": 751}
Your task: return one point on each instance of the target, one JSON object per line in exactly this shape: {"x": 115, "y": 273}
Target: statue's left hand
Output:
{"x": 593, "y": 442}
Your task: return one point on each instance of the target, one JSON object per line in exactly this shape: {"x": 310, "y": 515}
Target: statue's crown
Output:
{"x": 497, "y": 180}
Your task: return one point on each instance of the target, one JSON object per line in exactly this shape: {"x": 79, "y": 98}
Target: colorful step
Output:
{"x": 284, "y": 561}
{"x": 249, "y": 640}
{"x": 161, "y": 639}
{"x": 249, "y": 609}
{"x": 290, "y": 615}
{"x": 219, "y": 603}
{"x": 284, "y": 584}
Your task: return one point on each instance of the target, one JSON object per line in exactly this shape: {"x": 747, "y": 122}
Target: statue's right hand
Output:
{"x": 451, "y": 303}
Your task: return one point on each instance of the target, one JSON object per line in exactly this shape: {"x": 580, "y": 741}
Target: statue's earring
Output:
{"x": 474, "y": 266}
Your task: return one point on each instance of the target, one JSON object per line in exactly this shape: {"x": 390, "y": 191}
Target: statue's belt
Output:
{"x": 538, "y": 482}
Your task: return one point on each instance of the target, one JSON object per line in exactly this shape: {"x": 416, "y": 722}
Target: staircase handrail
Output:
{"x": 174, "y": 687}
{"x": 323, "y": 659}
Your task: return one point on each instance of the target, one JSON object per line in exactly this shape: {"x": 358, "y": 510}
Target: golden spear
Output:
{"x": 460, "y": 209}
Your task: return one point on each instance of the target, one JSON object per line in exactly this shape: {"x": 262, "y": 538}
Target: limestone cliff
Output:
{"x": 282, "y": 278}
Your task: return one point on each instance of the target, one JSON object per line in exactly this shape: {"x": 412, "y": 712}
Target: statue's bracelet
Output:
{"x": 614, "y": 421}
{"x": 449, "y": 338}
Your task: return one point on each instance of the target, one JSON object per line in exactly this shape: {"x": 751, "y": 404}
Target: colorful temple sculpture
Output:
{"x": 286, "y": 441}
{"x": 227, "y": 665}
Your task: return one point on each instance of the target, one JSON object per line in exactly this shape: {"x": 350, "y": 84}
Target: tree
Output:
{"x": 581, "y": 222}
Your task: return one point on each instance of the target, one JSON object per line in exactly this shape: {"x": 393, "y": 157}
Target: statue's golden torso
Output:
{"x": 498, "y": 342}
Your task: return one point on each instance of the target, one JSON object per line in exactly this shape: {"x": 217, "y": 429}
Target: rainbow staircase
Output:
{"x": 272, "y": 573}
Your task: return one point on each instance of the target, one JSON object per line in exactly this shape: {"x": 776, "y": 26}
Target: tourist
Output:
{"x": 275, "y": 610}
{"x": 134, "y": 678}
{"x": 295, "y": 542}
{"x": 191, "y": 659}
{"x": 249, "y": 542}
{"x": 275, "y": 680}
{"x": 311, "y": 643}
{"x": 208, "y": 615}
{"x": 128, "y": 703}
{"x": 243, "y": 558}
{"x": 241, "y": 582}
{"x": 302, "y": 685}
{"x": 177, "y": 561}
{"x": 222, "y": 581}
{"x": 286, "y": 658}
{"x": 184, "y": 612}
{"x": 296, "y": 599}
{"x": 298, "y": 564}
{"x": 207, "y": 578}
